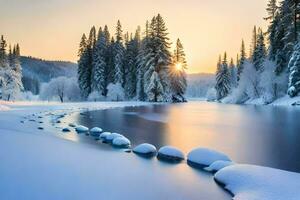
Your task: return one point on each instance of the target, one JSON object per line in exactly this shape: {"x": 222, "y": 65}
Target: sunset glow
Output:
{"x": 206, "y": 28}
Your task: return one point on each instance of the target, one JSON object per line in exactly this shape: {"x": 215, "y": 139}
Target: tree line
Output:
{"x": 271, "y": 69}
{"x": 136, "y": 66}
{"x": 10, "y": 71}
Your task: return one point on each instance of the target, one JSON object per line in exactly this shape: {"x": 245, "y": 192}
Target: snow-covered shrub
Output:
{"x": 61, "y": 88}
{"x": 272, "y": 86}
{"x": 96, "y": 96}
{"x": 115, "y": 92}
{"x": 28, "y": 96}
{"x": 211, "y": 94}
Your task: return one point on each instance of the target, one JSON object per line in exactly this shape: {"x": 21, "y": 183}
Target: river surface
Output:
{"x": 262, "y": 135}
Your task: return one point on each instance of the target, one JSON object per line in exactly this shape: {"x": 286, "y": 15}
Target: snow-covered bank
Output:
{"x": 283, "y": 101}
{"x": 37, "y": 165}
{"x": 249, "y": 182}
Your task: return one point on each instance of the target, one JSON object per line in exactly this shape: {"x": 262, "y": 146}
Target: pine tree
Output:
{"x": 99, "y": 74}
{"x": 119, "y": 76}
{"x": 131, "y": 60}
{"x": 253, "y": 43}
{"x": 177, "y": 74}
{"x": 3, "y": 55}
{"x": 157, "y": 61}
{"x": 260, "y": 52}
{"x": 85, "y": 67}
{"x": 141, "y": 64}
{"x": 294, "y": 75}
{"x": 223, "y": 85}
{"x": 233, "y": 74}
{"x": 242, "y": 59}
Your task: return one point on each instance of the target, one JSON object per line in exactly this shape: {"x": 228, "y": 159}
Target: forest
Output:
{"x": 132, "y": 66}
{"x": 271, "y": 69}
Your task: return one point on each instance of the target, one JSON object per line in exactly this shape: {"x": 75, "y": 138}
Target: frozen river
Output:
{"x": 262, "y": 135}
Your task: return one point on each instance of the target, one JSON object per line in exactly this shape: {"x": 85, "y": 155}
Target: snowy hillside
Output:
{"x": 36, "y": 71}
{"x": 198, "y": 84}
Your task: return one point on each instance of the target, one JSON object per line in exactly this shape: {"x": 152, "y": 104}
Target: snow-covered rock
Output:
{"x": 145, "y": 149}
{"x": 104, "y": 135}
{"x": 218, "y": 165}
{"x": 111, "y": 137}
{"x": 170, "y": 153}
{"x": 203, "y": 157}
{"x": 66, "y": 129}
{"x": 121, "y": 142}
{"x": 255, "y": 182}
{"x": 81, "y": 129}
{"x": 96, "y": 130}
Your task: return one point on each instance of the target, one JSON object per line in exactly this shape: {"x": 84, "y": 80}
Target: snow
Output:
{"x": 170, "y": 153}
{"x": 145, "y": 149}
{"x": 249, "y": 182}
{"x": 121, "y": 142}
{"x": 218, "y": 165}
{"x": 3, "y": 107}
{"x": 96, "y": 130}
{"x": 111, "y": 137}
{"x": 202, "y": 157}
{"x": 104, "y": 135}
{"x": 81, "y": 129}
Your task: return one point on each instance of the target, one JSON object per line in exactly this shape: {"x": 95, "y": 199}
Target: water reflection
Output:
{"x": 261, "y": 135}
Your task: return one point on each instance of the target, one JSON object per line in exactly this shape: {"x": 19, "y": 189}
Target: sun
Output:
{"x": 178, "y": 66}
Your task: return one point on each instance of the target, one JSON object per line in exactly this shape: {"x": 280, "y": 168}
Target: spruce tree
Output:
{"x": 119, "y": 76}
{"x": 253, "y": 43}
{"x": 223, "y": 85}
{"x": 260, "y": 52}
{"x": 242, "y": 59}
{"x": 294, "y": 73}
{"x": 233, "y": 74}
{"x": 99, "y": 65}
{"x": 157, "y": 62}
{"x": 177, "y": 74}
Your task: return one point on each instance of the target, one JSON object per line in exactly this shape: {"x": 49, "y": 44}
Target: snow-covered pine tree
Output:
{"x": 131, "y": 56}
{"x": 287, "y": 32}
{"x": 119, "y": 51}
{"x": 273, "y": 18}
{"x": 260, "y": 52}
{"x": 84, "y": 67}
{"x": 178, "y": 80}
{"x": 233, "y": 74}
{"x": 223, "y": 84}
{"x": 141, "y": 64}
{"x": 99, "y": 65}
{"x": 13, "y": 86}
{"x": 157, "y": 62}
{"x": 253, "y": 43}
{"x": 242, "y": 59}
{"x": 294, "y": 75}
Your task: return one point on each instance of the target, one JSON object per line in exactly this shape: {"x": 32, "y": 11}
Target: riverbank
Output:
{"x": 35, "y": 164}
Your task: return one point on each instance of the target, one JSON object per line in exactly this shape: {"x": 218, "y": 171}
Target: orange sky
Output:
{"x": 51, "y": 29}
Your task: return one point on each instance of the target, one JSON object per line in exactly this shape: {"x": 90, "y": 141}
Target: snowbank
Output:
{"x": 4, "y": 108}
{"x": 218, "y": 165}
{"x": 111, "y": 137}
{"x": 145, "y": 149}
{"x": 104, "y": 135}
{"x": 202, "y": 157}
{"x": 170, "y": 153}
{"x": 121, "y": 142}
{"x": 249, "y": 182}
{"x": 81, "y": 129}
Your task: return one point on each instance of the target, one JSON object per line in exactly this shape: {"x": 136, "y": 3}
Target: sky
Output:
{"x": 51, "y": 29}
